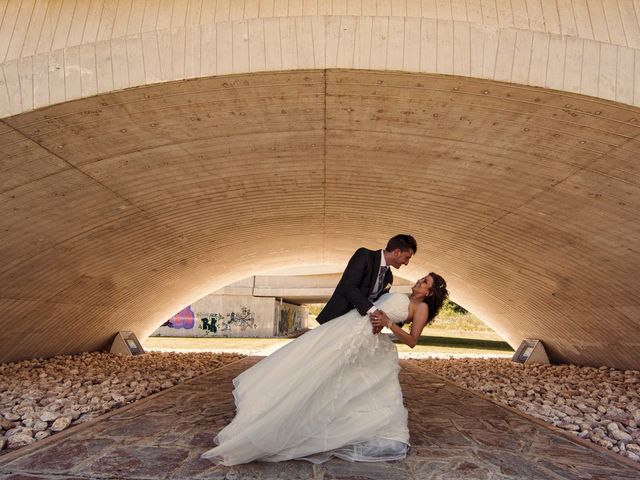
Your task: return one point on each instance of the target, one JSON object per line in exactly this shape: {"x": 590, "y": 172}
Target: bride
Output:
{"x": 333, "y": 392}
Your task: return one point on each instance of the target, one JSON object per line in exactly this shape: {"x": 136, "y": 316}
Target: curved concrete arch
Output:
{"x": 52, "y": 52}
{"x": 119, "y": 209}
{"x": 488, "y": 129}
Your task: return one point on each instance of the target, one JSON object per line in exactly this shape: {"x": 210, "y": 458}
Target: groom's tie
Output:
{"x": 380, "y": 284}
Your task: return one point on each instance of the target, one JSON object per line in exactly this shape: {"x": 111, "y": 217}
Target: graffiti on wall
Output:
{"x": 210, "y": 322}
{"x": 243, "y": 319}
{"x": 290, "y": 320}
{"x": 213, "y": 323}
{"x": 185, "y": 318}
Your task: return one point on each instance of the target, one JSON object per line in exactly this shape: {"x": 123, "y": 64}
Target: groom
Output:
{"x": 368, "y": 276}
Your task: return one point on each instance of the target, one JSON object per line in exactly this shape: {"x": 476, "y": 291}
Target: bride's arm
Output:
{"x": 419, "y": 321}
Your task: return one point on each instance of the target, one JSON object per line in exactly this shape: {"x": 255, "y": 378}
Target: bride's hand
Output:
{"x": 379, "y": 320}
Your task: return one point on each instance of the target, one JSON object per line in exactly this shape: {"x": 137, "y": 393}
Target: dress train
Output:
{"x": 332, "y": 392}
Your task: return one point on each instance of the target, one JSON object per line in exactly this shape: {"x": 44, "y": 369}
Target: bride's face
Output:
{"x": 423, "y": 286}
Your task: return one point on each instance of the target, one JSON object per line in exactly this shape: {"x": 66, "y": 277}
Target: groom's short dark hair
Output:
{"x": 403, "y": 242}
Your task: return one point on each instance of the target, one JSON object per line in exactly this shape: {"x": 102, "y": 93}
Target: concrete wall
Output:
{"x": 235, "y": 316}
{"x": 291, "y": 318}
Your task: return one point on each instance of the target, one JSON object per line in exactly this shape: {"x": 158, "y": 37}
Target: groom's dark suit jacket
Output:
{"x": 355, "y": 286}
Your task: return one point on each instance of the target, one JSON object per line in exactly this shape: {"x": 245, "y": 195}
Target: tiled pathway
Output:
{"x": 454, "y": 434}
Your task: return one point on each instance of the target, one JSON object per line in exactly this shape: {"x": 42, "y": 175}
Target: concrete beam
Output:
{"x": 57, "y": 51}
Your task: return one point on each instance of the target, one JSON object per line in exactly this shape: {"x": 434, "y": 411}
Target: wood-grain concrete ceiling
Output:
{"x": 119, "y": 209}
{"x": 53, "y": 51}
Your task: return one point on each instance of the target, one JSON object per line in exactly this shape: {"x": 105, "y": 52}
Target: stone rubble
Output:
{"x": 41, "y": 397}
{"x": 597, "y": 404}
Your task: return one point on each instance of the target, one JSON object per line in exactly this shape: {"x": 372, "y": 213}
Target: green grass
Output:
{"x": 443, "y": 342}
{"x": 464, "y": 343}
{"x": 437, "y": 341}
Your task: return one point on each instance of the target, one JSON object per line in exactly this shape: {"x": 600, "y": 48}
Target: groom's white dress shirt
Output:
{"x": 377, "y": 286}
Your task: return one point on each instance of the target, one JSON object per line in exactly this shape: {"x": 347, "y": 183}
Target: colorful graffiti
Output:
{"x": 183, "y": 319}
{"x": 235, "y": 319}
{"x": 290, "y": 320}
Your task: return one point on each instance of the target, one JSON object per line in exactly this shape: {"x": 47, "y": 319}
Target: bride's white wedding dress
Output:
{"x": 334, "y": 391}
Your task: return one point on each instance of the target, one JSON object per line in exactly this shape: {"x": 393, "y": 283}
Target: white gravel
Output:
{"x": 598, "y": 404}
{"x": 41, "y": 397}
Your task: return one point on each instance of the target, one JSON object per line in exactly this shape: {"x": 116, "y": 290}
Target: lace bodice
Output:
{"x": 395, "y": 305}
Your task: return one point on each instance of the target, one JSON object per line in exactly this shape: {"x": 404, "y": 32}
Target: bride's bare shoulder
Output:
{"x": 417, "y": 305}
{"x": 419, "y": 309}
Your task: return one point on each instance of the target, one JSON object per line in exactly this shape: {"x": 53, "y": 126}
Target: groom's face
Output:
{"x": 399, "y": 258}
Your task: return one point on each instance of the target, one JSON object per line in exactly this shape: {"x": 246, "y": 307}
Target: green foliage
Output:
{"x": 451, "y": 317}
{"x": 454, "y": 317}
{"x": 450, "y": 309}
{"x": 462, "y": 323}
{"x": 315, "y": 308}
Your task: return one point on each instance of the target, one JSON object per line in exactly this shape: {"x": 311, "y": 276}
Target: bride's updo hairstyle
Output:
{"x": 436, "y": 296}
